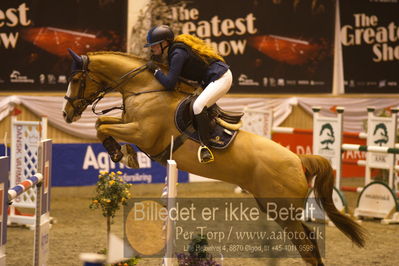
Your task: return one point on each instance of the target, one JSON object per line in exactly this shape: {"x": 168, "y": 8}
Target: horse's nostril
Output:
{"x": 67, "y": 119}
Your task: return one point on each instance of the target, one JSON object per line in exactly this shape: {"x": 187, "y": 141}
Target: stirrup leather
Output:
{"x": 205, "y": 155}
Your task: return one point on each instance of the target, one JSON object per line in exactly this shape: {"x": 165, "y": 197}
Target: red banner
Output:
{"x": 302, "y": 144}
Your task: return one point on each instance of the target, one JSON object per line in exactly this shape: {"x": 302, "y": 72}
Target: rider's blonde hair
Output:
{"x": 200, "y": 47}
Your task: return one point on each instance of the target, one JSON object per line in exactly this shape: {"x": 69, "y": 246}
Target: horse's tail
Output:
{"x": 323, "y": 189}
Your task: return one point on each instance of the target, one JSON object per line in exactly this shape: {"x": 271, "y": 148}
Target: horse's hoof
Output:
{"x": 116, "y": 156}
{"x": 129, "y": 156}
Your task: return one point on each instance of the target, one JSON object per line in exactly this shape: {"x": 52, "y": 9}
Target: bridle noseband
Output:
{"x": 79, "y": 102}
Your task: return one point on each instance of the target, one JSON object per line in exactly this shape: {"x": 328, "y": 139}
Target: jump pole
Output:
{"x": 171, "y": 194}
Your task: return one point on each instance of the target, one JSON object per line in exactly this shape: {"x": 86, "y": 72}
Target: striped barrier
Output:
{"x": 376, "y": 199}
{"x": 378, "y": 149}
{"x": 42, "y": 182}
{"x": 24, "y": 186}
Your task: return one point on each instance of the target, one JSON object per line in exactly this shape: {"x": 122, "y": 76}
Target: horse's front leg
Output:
{"x": 112, "y": 127}
{"x": 110, "y": 144}
{"x": 108, "y": 120}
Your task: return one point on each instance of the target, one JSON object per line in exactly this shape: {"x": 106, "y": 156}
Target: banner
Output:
{"x": 370, "y": 45}
{"x": 35, "y": 35}
{"x": 79, "y": 165}
{"x": 271, "y": 46}
{"x": 303, "y": 144}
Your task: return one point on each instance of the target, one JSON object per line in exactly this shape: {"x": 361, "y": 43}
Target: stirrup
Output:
{"x": 205, "y": 155}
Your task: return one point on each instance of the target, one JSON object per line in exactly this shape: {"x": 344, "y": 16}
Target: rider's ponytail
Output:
{"x": 200, "y": 47}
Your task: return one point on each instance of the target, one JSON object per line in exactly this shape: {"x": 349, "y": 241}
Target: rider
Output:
{"x": 191, "y": 58}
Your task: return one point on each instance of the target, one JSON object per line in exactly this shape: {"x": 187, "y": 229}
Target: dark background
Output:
{"x": 104, "y": 19}
{"x": 359, "y": 67}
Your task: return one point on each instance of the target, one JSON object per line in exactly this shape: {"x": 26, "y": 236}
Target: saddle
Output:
{"x": 223, "y": 124}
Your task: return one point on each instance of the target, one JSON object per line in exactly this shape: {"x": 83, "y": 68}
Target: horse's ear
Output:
{"x": 77, "y": 63}
{"x": 75, "y": 56}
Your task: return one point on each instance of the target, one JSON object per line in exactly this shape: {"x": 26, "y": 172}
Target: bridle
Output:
{"x": 79, "y": 103}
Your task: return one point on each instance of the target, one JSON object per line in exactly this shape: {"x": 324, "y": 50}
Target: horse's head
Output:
{"x": 83, "y": 88}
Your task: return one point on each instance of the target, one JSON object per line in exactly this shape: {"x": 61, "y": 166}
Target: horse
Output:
{"x": 257, "y": 164}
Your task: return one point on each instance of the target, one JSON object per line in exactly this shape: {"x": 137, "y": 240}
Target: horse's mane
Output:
{"x": 182, "y": 84}
{"x": 117, "y": 53}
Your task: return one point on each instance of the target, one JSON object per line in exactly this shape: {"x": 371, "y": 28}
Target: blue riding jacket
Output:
{"x": 183, "y": 62}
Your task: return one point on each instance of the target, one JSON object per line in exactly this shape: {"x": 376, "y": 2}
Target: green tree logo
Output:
{"x": 380, "y": 134}
{"x": 327, "y": 137}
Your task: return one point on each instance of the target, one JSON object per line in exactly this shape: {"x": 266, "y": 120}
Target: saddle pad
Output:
{"x": 220, "y": 136}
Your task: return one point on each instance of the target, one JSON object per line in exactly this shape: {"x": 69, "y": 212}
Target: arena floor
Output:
{"x": 79, "y": 229}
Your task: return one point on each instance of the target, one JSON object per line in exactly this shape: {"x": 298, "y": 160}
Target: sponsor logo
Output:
{"x": 316, "y": 83}
{"x": 272, "y": 82}
{"x": 377, "y": 197}
{"x": 62, "y": 79}
{"x": 102, "y": 161}
{"x": 327, "y": 136}
{"x": 380, "y": 134}
{"x": 385, "y": 1}
{"x": 291, "y": 82}
{"x": 51, "y": 79}
{"x": 281, "y": 82}
{"x": 392, "y": 83}
{"x": 303, "y": 82}
{"x": 42, "y": 78}
{"x": 380, "y": 138}
{"x": 265, "y": 81}
{"x": 243, "y": 80}
{"x": 382, "y": 83}
{"x": 16, "y": 77}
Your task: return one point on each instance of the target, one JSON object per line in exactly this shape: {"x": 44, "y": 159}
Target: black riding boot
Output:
{"x": 202, "y": 122}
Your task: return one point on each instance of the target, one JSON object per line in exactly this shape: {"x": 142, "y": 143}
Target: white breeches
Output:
{"x": 213, "y": 92}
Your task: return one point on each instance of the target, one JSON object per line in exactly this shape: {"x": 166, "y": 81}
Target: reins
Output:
{"x": 79, "y": 103}
{"x": 123, "y": 79}
{"x": 96, "y": 97}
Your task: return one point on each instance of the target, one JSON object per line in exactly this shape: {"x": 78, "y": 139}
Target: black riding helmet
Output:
{"x": 158, "y": 34}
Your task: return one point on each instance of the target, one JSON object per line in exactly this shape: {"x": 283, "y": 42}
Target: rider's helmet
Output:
{"x": 158, "y": 34}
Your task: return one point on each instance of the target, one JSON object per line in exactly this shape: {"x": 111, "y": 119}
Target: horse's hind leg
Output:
{"x": 299, "y": 236}
{"x": 308, "y": 232}
{"x": 294, "y": 229}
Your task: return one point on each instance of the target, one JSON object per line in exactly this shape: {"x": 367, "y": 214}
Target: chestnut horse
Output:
{"x": 256, "y": 164}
